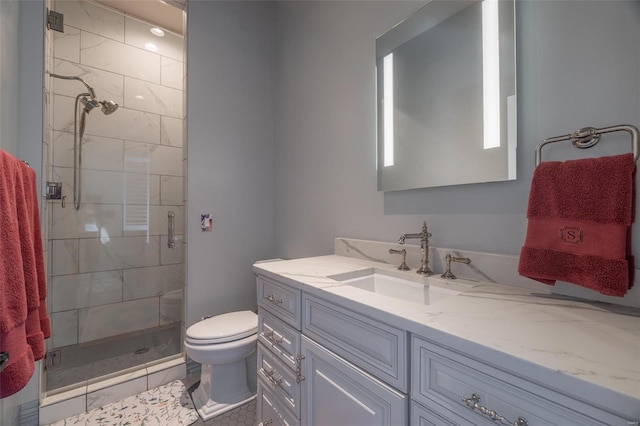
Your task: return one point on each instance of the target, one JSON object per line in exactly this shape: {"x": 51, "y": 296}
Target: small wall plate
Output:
{"x": 206, "y": 222}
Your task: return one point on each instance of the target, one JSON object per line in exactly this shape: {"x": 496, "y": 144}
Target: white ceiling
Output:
{"x": 165, "y": 14}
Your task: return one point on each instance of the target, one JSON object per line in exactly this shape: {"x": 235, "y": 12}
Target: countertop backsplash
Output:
{"x": 490, "y": 267}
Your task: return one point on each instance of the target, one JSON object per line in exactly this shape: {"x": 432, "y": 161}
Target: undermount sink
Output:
{"x": 417, "y": 289}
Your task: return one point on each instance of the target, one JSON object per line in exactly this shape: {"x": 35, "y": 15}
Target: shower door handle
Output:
{"x": 171, "y": 240}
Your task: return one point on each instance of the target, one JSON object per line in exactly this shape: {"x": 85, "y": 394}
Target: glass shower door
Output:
{"x": 115, "y": 285}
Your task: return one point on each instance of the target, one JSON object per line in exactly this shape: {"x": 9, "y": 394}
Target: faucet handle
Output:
{"x": 448, "y": 258}
{"x": 403, "y": 266}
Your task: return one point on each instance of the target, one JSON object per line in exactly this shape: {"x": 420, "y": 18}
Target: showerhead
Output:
{"x": 109, "y": 107}
{"x": 89, "y": 99}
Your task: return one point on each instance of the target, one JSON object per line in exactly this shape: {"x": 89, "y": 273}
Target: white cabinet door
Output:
{"x": 336, "y": 393}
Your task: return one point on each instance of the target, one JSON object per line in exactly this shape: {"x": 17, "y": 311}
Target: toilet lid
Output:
{"x": 224, "y": 328}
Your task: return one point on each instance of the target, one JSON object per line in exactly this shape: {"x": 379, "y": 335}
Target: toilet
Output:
{"x": 224, "y": 345}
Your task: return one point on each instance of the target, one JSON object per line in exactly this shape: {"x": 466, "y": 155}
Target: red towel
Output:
{"x": 23, "y": 320}
{"x": 580, "y": 215}
{"x": 33, "y": 263}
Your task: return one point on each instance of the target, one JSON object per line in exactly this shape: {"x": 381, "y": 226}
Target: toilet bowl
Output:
{"x": 222, "y": 344}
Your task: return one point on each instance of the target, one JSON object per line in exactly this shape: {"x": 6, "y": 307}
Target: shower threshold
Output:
{"x": 86, "y": 361}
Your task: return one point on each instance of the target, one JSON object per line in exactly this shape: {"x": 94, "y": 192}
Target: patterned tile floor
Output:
{"x": 162, "y": 406}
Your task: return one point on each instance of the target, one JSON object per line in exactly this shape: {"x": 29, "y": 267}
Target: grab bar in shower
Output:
{"x": 171, "y": 240}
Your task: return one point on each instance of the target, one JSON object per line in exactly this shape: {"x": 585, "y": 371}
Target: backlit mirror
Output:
{"x": 446, "y": 89}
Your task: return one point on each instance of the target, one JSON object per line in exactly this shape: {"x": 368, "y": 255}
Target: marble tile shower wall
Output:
{"x": 111, "y": 271}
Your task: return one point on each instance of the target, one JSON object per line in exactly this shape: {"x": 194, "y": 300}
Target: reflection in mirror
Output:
{"x": 447, "y": 96}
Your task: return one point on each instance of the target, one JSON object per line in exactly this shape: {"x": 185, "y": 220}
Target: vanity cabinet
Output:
{"x": 446, "y": 384}
{"x": 325, "y": 363}
{"x": 338, "y": 393}
{"x": 322, "y": 364}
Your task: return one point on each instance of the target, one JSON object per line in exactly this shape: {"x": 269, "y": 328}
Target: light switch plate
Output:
{"x": 206, "y": 222}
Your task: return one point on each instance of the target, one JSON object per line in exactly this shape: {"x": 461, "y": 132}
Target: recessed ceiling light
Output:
{"x": 157, "y": 32}
{"x": 151, "y": 47}
{"x": 139, "y": 97}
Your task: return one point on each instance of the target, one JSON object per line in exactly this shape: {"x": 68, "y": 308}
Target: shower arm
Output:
{"x": 73, "y": 77}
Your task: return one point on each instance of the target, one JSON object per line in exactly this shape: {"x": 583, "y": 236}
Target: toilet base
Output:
{"x": 222, "y": 388}
{"x": 207, "y": 409}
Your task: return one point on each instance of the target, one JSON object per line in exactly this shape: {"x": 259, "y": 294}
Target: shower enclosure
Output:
{"x": 115, "y": 271}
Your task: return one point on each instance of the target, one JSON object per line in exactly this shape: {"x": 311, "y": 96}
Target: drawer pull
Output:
{"x": 271, "y": 298}
{"x": 272, "y": 379}
{"x": 272, "y": 339}
{"x": 473, "y": 403}
{"x": 266, "y": 422}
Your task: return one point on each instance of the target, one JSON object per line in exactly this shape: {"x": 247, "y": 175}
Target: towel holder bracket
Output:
{"x": 585, "y": 137}
{"x": 589, "y": 136}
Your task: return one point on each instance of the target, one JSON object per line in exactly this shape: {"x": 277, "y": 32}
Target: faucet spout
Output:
{"x": 405, "y": 236}
{"x": 423, "y": 236}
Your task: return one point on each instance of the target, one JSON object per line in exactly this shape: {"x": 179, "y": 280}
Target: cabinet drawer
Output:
{"x": 269, "y": 410}
{"x": 281, "y": 339}
{"x": 422, "y": 416}
{"x": 281, "y": 300}
{"x": 445, "y": 377}
{"x": 371, "y": 345}
{"x": 282, "y": 382}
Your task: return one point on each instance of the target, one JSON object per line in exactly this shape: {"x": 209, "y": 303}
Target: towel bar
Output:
{"x": 589, "y": 136}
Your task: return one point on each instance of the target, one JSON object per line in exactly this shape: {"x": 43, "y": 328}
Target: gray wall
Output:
{"x": 578, "y": 65}
{"x": 230, "y": 152}
{"x": 9, "y": 77}
{"x": 21, "y": 92}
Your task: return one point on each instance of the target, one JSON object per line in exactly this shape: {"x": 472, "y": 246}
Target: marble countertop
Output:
{"x": 589, "y": 350}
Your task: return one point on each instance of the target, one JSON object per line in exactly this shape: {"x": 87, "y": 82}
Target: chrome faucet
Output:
{"x": 448, "y": 258}
{"x": 424, "y": 248}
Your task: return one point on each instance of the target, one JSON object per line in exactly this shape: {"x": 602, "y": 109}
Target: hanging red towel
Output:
{"x": 23, "y": 320}
{"x": 37, "y": 324}
{"x": 580, "y": 214}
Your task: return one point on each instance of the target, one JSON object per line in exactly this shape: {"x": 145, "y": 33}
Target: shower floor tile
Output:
{"x": 82, "y": 362}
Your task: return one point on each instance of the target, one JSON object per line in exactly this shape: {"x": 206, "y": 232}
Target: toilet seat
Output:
{"x": 223, "y": 328}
